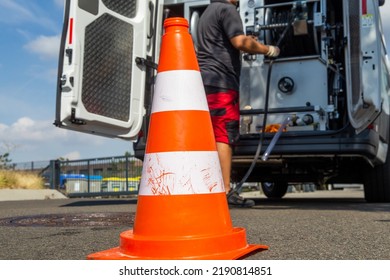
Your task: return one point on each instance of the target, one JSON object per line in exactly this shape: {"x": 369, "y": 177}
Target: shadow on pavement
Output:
{"x": 99, "y": 202}
{"x": 337, "y": 204}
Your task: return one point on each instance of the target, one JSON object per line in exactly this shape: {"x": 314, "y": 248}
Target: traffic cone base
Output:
{"x": 211, "y": 242}
{"x": 206, "y": 248}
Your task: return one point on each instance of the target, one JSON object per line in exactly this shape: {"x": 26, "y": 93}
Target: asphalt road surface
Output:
{"x": 322, "y": 225}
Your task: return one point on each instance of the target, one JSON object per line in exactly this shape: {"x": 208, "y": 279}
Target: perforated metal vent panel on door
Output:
{"x": 107, "y": 67}
{"x": 125, "y": 8}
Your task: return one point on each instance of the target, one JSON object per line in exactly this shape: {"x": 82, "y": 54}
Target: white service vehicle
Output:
{"x": 327, "y": 94}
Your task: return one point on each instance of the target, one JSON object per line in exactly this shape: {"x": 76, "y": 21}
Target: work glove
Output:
{"x": 273, "y": 51}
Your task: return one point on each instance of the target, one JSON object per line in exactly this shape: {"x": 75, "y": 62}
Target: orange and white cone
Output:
{"x": 182, "y": 210}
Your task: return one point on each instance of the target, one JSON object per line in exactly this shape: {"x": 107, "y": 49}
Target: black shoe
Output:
{"x": 235, "y": 200}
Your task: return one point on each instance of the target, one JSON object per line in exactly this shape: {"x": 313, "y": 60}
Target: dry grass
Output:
{"x": 20, "y": 180}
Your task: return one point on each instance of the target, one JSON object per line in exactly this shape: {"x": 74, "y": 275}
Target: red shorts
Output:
{"x": 225, "y": 114}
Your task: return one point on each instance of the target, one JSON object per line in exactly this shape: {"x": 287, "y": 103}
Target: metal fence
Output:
{"x": 35, "y": 166}
{"x": 90, "y": 177}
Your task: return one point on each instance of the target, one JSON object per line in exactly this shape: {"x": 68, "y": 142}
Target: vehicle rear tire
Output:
{"x": 377, "y": 182}
{"x": 274, "y": 189}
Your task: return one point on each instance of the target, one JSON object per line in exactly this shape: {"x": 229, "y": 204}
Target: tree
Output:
{"x": 5, "y": 155}
{"x": 128, "y": 154}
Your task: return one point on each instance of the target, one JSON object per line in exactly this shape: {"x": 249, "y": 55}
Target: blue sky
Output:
{"x": 30, "y": 33}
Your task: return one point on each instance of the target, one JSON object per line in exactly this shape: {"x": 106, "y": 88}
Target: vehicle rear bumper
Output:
{"x": 300, "y": 145}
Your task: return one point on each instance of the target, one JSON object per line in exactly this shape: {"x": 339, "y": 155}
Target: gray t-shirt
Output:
{"x": 219, "y": 61}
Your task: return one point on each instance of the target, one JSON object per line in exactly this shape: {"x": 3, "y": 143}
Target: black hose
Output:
{"x": 259, "y": 146}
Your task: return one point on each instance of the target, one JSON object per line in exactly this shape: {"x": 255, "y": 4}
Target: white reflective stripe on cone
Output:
{"x": 179, "y": 90}
{"x": 173, "y": 173}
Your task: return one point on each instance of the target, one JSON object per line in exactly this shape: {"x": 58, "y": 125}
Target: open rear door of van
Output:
{"x": 106, "y": 51}
{"x": 363, "y": 61}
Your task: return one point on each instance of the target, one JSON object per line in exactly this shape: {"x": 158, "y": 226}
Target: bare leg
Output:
{"x": 225, "y": 153}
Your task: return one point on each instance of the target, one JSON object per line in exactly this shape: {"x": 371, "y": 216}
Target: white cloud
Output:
{"x": 16, "y": 12}
{"x": 36, "y": 140}
{"x": 46, "y": 47}
{"x": 25, "y": 34}
{"x": 72, "y": 155}
{"x": 59, "y": 3}
{"x": 3, "y": 127}
{"x": 26, "y": 129}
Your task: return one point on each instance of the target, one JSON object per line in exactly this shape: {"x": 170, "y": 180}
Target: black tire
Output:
{"x": 275, "y": 189}
{"x": 377, "y": 182}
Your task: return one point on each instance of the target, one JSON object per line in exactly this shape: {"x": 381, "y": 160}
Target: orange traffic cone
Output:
{"x": 182, "y": 210}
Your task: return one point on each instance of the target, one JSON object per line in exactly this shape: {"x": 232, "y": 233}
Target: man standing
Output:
{"x": 220, "y": 39}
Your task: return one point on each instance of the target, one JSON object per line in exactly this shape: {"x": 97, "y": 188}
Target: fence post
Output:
{"x": 127, "y": 173}
{"x": 89, "y": 176}
{"x": 55, "y": 172}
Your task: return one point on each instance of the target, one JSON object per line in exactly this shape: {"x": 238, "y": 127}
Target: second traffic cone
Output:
{"x": 182, "y": 210}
